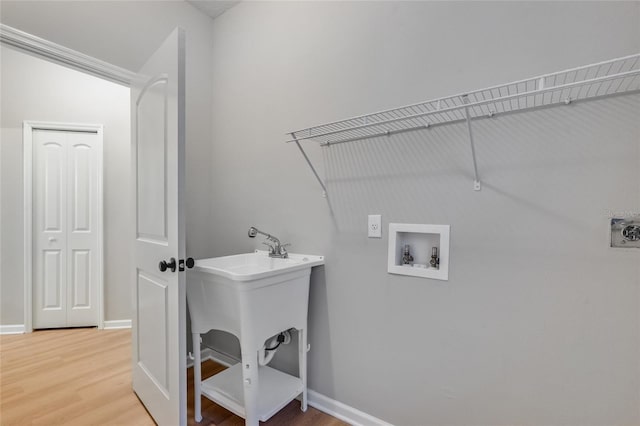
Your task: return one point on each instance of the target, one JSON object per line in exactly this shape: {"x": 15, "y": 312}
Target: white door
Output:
{"x": 159, "y": 321}
{"x": 66, "y": 264}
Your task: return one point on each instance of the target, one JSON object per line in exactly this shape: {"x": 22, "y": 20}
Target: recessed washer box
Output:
{"x": 421, "y": 239}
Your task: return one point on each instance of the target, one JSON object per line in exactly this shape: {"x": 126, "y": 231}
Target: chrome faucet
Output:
{"x": 276, "y": 249}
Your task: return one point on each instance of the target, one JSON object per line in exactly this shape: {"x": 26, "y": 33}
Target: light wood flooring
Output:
{"x": 83, "y": 377}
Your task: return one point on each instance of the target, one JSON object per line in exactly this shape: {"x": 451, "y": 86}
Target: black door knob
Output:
{"x": 190, "y": 262}
{"x": 163, "y": 265}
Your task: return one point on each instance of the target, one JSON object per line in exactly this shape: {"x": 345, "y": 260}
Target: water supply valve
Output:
{"x": 625, "y": 232}
{"x": 435, "y": 260}
{"x": 631, "y": 232}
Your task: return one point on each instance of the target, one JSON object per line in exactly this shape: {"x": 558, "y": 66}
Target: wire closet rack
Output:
{"x": 594, "y": 81}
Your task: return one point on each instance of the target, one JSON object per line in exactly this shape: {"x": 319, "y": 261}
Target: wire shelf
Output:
{"x": 616, "y": 76}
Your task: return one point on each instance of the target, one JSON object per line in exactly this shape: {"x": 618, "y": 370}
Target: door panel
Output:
{"x": 153, "y": 332}
{"x": 82, "y": 235}
{"x": 159, "y": 324}
{"x": 53, "y": 166}
{"x": 81, "y": 279}
{"x": 49, "y": 229}
{"x": 152, "y": 149}
{"x": 81, "y": 163}
{"x": 52, "y": 280}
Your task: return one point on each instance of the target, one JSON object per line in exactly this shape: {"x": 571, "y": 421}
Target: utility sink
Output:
{"x": 257, "y": 265}
{"x": 251, "y": 295}
{"x": 254, "y": 297}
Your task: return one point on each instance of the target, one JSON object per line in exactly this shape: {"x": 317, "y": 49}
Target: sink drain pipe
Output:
{"x": 266, "y": 354}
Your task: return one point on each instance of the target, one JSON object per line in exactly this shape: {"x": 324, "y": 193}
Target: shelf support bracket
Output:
{"x": 313, "y": 169}
{"x": 477, "y": 186}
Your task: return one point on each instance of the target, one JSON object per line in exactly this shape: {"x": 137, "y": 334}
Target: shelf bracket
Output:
{"x": 313, "y": 169}
{"x": 477, "y": 186}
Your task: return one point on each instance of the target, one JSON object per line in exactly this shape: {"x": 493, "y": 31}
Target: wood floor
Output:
{"x": 83, "y": 377}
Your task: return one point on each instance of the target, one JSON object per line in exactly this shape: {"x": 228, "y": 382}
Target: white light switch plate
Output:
{"x": 375, "y": 226}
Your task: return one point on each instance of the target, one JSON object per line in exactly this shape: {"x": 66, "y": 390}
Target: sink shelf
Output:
{"x": 275, "y": 389}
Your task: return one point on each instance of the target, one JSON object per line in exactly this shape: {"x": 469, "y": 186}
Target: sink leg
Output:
{"x": 302, "y": 363}
{"x": 250, "y": 384}
{"x": 197, "y": 377}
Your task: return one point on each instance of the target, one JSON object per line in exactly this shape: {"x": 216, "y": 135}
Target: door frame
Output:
{"x": 27, "y": 137}
{"x": 70, "y": 58}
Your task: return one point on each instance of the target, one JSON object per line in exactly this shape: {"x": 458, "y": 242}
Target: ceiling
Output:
{"x": 213, "y": 8}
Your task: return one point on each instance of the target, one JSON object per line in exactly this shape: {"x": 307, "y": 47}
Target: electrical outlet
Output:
{"x": 375, "y": 226}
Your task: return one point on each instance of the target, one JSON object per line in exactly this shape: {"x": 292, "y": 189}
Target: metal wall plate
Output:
{"x": 625, "y": 232}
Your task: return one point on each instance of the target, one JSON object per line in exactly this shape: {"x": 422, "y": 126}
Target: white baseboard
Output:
{"x": 108, "y": 325}
{"x": 117, "y": 324}
{"x": 341, "y": 411}
{"x": 212, "y": 354}
{"x": 318, "y": 401}
{"x": 12, "y": 329}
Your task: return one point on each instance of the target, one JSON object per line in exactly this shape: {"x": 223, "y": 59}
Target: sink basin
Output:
{"x": 257, "y": 265}
{"x": 250, "y": 295}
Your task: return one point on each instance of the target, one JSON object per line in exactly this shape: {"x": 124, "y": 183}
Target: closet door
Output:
{"x": 65, "y": 237}
{"x": 49, "y": 229}
{"x": 82, "y": 235}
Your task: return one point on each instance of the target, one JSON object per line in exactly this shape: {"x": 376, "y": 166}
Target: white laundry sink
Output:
{"x": 254, "y": 297}
{"x": 257, "y": 265}
{"x": 250, "y": 295}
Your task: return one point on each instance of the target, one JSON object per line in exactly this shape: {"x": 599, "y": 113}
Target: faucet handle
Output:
{"x": 283, "y": 248}
{"x": 274, "y": 240}
{"x": 272, "y": 249}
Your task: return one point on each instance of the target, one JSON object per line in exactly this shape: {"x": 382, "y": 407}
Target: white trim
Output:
{"x": 219, "y": 357}
{"x": 323, "y": 403}
{"x": 27, "y": 134}
{"x": 27, "y": 158}
{"x": 342, "y": 411}
{"x": 63, "y": 55}
{"x": 12, "y": 329}
{"x": 212, "y": 354}
{"x": 116, "y": 324}
{"x": 100, "y": 225}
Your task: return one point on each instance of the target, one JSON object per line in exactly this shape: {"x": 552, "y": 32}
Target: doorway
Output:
{"x": 64, "y": 216}
{"x": 46, "y": 93}
{"x": 120, "y": 195}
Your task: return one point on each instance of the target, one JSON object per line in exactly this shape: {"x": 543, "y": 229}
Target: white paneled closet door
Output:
{"x": 65, "y": 234}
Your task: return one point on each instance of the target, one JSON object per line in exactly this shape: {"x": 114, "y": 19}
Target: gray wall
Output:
{"x": 34, "y": 89}
{"x": 538, "y": 323}
{"x": 125, "y": 34}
